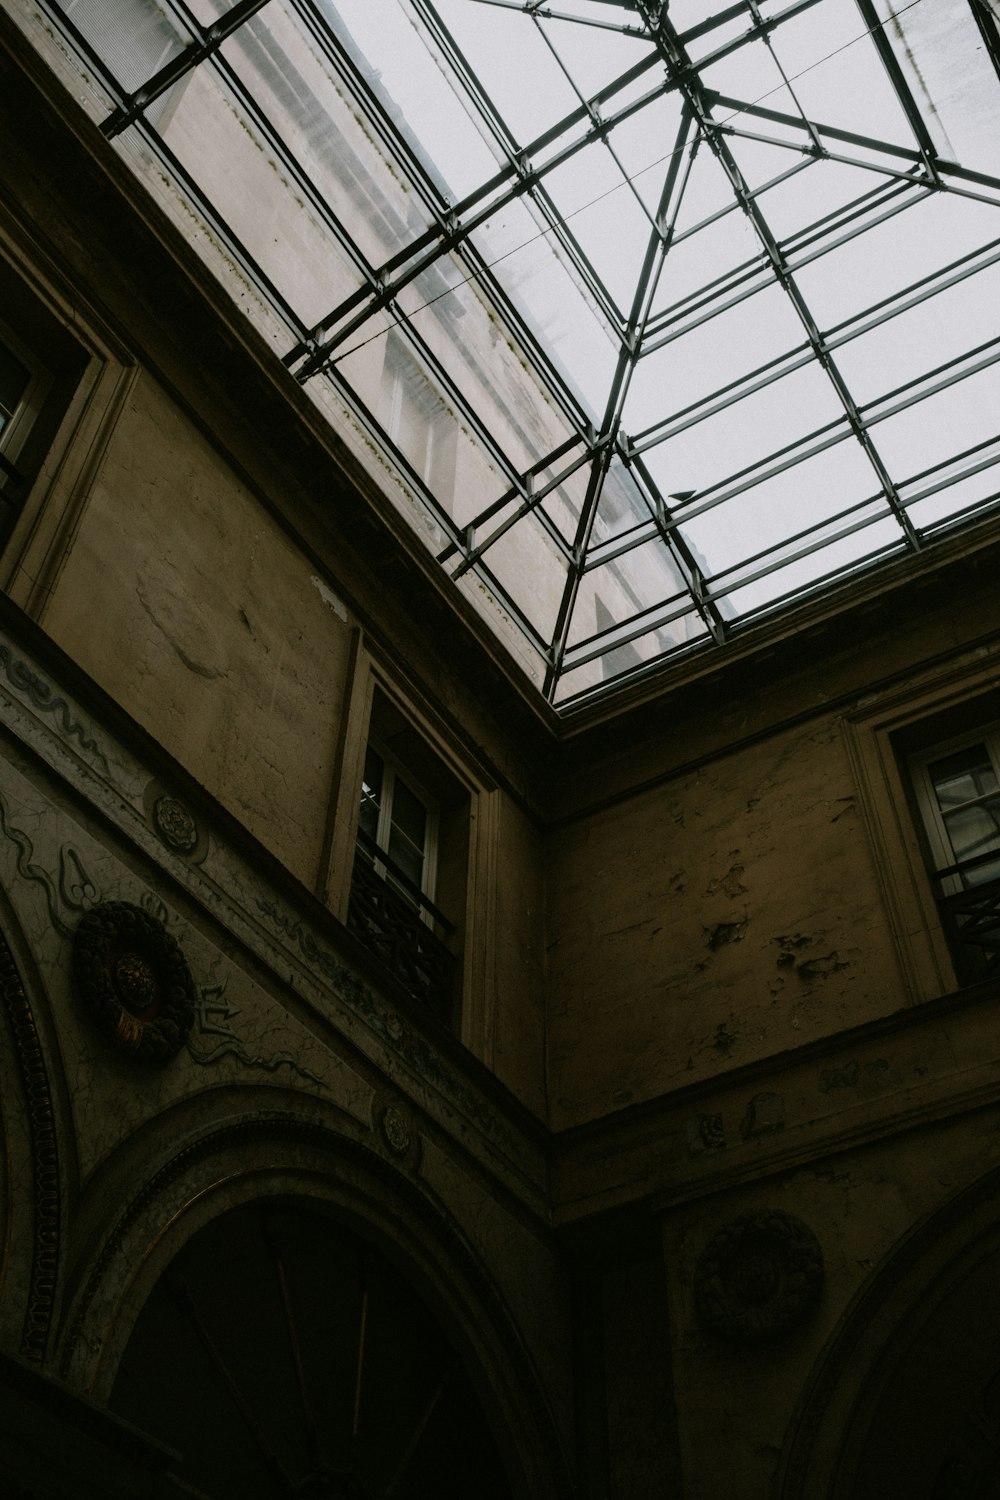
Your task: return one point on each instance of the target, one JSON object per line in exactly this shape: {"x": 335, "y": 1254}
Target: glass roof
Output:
{"x": 651, "y": 320}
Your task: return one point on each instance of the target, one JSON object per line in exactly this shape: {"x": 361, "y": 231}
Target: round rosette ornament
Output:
{"x": 133, "y": 981}
{"x": 758, "y": 1277}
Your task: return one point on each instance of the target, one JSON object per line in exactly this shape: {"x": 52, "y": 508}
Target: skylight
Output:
{"x": 653, "y": 320}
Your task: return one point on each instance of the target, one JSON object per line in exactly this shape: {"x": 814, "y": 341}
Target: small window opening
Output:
{"x": 408, "y": 889}
{"x": 957, "y": 789}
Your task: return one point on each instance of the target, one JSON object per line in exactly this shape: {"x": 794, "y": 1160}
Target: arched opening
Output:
{"x": 905, "y": 1402}
{"x": 284, "y": 1355}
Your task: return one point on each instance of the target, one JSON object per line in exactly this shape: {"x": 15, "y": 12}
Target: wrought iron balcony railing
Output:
{"x": 391, "y": 920}
{"x": 971, "y": 918}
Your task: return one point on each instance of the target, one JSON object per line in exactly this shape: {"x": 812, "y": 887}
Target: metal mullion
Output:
{"x": 723, "y": 398}
{"x": 376, "y": 115}
{"x": 766, "y": 35}
{"x": 440, "y": 243}
{"x": 657, "y": 246}
{"x": 897, "y": 79}
{"x": 944, "y": 484}
{"x": 932, "y": 286}
{"x": 701, "y": 299}
{"x": 990, "y": 442}
{"x": 593, "y": 112}
{"x": 796, "y": 260}
{"x": 660, "y": 340}
{"x": 620, "y": 546}
{"x": 291, "y": 163}
{"x": 678, "y": 549}
{"x": 987, "y": 23}
{"x": 532, "y": 506}
{"x": 534, "y": 501}
{"x": 777, "y": 563}
{"x": 687, "y": 67}
{"x": 935, "y": 390}
{"x": 346, "y": 392}
{"x": 207, "y": 40}
{"x": 452, "y": 231}
{"x": 528, "y": 7}
{"x": 653, "y": 618}
{"x": 468, "y": 77}
{"x": 755, "y": 474}
{"x": 447, "y": 382}
{"x": 530, "y": 632}
{"x": 571, "y": 588}
{"x": 221, "y": 228}
{"x": 715, "y": 100}
{"x": 571, "y": 404}
{"x": 752, "y": 209}
{"x": 577, "y": 255}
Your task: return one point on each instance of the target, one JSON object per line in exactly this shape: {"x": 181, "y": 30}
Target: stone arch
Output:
{"x": 32, "y": 1137}
{"x": 272, "y": 1156}
{"x": 905, "y": 1399}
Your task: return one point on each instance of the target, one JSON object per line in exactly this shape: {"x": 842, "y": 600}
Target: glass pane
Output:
{"x": 973, "y": 832}
{"x": 960, "y": 777}
{"x": 371, "y": 794}
{"x": 924, "y": 337}
{"x": 133, "y": 38}
{"x": 409, "y": 815}
{"x": 711, "y": 356}
{"x": 505, "y": 49}
{"x": 940, "y": 50}
{"x": 838, "y": 77}
{"x": 254, "y": 194}
{"x": 13, "y": 383}
{"x": 294, "y": 83}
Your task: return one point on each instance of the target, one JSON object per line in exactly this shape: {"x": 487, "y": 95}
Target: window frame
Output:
{"x": 394, "y": 770}
{"x": 476, "y": 915}
{"x": 68, "y": 426}
{"x": 884, "y": 735}
{"x": 941, "y": 849}
{"x": 14, "y": 434}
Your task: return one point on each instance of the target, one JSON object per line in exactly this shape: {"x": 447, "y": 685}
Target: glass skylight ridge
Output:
{"x": 641, "y": 303}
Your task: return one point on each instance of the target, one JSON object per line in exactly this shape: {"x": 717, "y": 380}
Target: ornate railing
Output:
{"x": 971, "y": 920}
{"x": 395, "y": 930}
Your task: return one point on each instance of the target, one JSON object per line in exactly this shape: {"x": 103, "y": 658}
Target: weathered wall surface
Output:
{"x": 721, "y": 917}
{"x": 741, "y": 1400}
{"x": 188, "y": 604}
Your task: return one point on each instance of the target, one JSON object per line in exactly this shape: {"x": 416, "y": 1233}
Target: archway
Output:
{"x": 284, "y": 1355}
{"x": 905, "y": 1402}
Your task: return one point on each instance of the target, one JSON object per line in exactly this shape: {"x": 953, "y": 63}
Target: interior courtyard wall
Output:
{"x": 742, "y": 1403}
{"x": 726, "y": 865}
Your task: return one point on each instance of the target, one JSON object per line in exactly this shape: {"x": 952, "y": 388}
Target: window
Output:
{"x": 411, "y": 855}
{"x": 957, "y": 786}
{"x": 24, "y": 385}
{"x": 417, "y": 420}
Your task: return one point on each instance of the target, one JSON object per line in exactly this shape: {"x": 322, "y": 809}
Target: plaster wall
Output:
{"x": 726, "y": 915}
{"x": 186, "y": 602}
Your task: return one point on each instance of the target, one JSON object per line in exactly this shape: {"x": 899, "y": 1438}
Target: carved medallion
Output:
{"x": 759, "y": 1276}
{"x": 174, "y": 824}
{"x": 396, "y": 1129}
{"x": 134, "y": 981}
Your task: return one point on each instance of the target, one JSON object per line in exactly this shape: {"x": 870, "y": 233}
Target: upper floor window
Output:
{"x": 24, "y": 385}
{"x": 407, "y": 890}
{"x": 957, "y": 785}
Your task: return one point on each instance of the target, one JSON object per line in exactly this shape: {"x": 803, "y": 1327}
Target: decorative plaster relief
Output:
{"x": 133, "y": 981}
{"x": 212, "y": 1013}
{"x": 33, "y": 688}
{"x": 758, "y": 1277}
